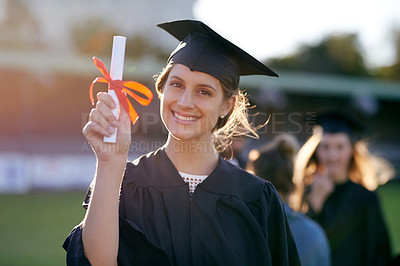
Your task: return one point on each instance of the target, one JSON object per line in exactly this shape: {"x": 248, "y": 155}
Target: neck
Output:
{"x": 340, "y": 178}
{"x": 192, "y": 157}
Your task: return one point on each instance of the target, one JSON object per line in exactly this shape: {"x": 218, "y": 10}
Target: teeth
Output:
{"x": 185, "y": 118}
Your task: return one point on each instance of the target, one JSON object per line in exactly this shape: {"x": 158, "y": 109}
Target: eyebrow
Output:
{"x": 201, "y": 84}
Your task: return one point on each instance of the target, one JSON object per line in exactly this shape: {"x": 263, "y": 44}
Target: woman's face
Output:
{"x": 191, "y": 103}
{"x": 334, "y": 154}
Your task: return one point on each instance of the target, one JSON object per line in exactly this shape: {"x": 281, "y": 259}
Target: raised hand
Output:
{"x": 321, "y": 188}
{"x": 102, "y": 123}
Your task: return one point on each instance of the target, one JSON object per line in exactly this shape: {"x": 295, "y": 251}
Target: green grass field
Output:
{"x": 33, "y": 226}
{"x": 390, "y": 201}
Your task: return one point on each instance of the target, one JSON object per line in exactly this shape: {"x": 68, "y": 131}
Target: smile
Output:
{"x": 186, "y": 119}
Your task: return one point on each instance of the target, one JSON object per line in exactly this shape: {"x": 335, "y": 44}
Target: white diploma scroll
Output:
{"x": 116, "y": 70}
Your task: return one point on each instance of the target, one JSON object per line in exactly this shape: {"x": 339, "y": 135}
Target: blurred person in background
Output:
{"x": 274, "y": 162}
{"x": 336, "y": 176}
{"x": 233, "y": 152}
{"x": 183, "y": 204}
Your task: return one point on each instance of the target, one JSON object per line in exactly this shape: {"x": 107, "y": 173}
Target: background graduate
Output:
{"x": 336, "y": 175}
{"x": 274, "y": 162}
{"x": 183, "y": 204}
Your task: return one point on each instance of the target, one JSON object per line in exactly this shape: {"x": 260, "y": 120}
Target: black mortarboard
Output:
{"x": 202, "y": 49}
{"x": 341, "y": 122}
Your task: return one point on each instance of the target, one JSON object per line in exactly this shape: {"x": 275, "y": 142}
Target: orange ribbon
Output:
{"x": 122, "y": 88}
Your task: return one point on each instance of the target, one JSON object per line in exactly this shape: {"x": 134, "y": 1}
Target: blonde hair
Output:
{"x": 365, "y": 169}
{"x": 234, "y": 124}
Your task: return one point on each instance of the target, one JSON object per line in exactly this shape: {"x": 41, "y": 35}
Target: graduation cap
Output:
{"x": 202, "y": 49}
{"x": 341, "y": 122}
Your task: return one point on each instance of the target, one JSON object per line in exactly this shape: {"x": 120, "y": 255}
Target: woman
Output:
{"x": 183, "y": 204}
{"x": 337, "y": 176}
{"x": 275, "y": 162}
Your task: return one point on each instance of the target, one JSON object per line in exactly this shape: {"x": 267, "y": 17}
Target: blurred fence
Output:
{"x": 20, "y": 172}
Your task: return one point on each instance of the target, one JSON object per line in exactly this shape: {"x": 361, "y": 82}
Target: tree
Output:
{"x": 93, "y": 36}
{"x": 338, "y": 54}
{"x": 392, "y": 72}
{"x": 138, "y": 46}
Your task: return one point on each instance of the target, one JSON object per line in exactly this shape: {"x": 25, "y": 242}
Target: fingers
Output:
{"x": 323, "y": 185}
{"x": 106, "y": 99}
{"x": 101, "y": 118}
{"x": 103, "y": 115}
{"x": 105, "y": 105}
{"x": 93, "y": 128}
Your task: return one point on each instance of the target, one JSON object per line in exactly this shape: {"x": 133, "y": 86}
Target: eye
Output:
{"x": 205, "y": 92}
{"x": 175, "y": 84}
{"x": 339, "y": 147}
{"x": 324, "y": 146}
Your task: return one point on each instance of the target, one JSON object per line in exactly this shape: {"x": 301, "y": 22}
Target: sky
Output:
{"x": 266, "y": 28}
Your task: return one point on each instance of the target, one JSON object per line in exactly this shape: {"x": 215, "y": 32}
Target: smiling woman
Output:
{"x": 183, "y": 204}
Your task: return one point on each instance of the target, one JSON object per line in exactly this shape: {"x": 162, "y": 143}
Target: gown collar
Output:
{"x": 226, "y": 178}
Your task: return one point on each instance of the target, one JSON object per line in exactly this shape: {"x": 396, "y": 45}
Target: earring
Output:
{"x": 221, "y": 116}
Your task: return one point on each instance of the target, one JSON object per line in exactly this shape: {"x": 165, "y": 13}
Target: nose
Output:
{"x": 186, "y": 99}
{"x": 333, "y": 155}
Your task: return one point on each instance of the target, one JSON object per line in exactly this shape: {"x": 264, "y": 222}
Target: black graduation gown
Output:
{"x": 354, "y": 225}
{"x": 232, "y": 218}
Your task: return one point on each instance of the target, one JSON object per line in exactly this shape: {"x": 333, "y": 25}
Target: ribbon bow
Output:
{"x": 122, "y": 88}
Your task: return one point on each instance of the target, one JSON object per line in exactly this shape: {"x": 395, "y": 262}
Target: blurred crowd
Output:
{"x": 327, "y": 186}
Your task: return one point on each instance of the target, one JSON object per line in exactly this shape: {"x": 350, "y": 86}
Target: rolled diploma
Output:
{"x": 116, "y": 70}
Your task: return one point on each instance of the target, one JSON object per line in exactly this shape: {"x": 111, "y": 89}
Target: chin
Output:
{"x": 181, "y": 134}
{"x": 339, "y": 178}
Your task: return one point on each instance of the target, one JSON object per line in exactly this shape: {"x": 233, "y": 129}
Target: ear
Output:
{"x": 227, "y": 106}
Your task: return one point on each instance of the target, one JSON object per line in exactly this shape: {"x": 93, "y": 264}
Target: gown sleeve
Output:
{"x": 74, "y": 247}
{"x": 134, "y": 248}
{"x": 270, "y": 213}
{"x": 378, "y": 250}
{"x": 73, "y": 243}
